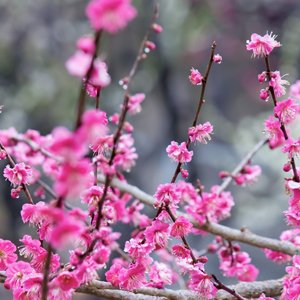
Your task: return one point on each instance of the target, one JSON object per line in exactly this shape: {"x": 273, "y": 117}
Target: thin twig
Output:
{"x": 200, "y": 104}
{"x": 241, "y": 165}
{"x": 82, "y": 95}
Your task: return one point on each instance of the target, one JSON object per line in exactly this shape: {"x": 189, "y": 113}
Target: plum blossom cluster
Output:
{"x": 235, "y": 263}
{"x": 285, "y": 112}
{"x": 72, "y": 244}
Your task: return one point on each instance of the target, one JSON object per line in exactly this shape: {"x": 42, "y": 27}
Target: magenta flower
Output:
{"x": 73, "y": 178}
{"x": 67, "y": 280}
{"x": 7, "y": 254}
{"x": 262, "y": 45}
{"x": 157, "y": 234}
{"x": 286, "y": 110}
{"x": 179, "y": 153}
{"x": 195, "y": 77}
{"x": 278, "y": 83}
{"x": 133, "y": 277}
{"x": 291, "y": 147}
{"x": 274, "y": 132}
{"x": 201, "y": 283}
{"x": 180, "y": 251}
{"x": 19, "y": 174}
{"x": 166, "y": 194}
{"x": 217, "y": 58}
{"x": 110, "y": 15}
{"x": 181, "y": 227}
{"x": 201, "y": 132}
{"x": 16, "y": 273}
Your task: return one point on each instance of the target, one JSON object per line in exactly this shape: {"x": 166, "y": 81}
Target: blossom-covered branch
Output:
{"x": 242, "y": 235}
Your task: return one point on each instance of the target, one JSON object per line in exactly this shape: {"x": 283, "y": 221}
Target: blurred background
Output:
{"x": 37, "y": 37}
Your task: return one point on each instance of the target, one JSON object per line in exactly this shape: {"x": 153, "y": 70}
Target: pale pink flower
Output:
{"x": 132, "y": 278}
{"x": 110, "y": 15}
{"x": 248, "y": 273}
{"x": 248, "y": 174}
{"x": 79, "y": 63}
{"x": 262, "y": 45}
{"x": 181, "y": 227}
{"x": 195, "y": 77}
{"x": 134, "y": 105}
{"x": 217, "y": 58}
{"x": 7, "y": 254}
{"x": 166, "y": 194}
{"x": 292, "y": 148}
{"x": 274, "y": 132}
{"x": 160, "y": 275}
{"x": 137, "y": 249}
{"x": 19, "y": 174}
{"x": 86, "y": 44}
{"x": 31, "y": 248}
{"x": 201, "y": 132}
{"x": 99, "y": 76}
{"x": 179, "y": 153}
{"x": 278, "y": 83}
{"x": 286, "y": 110}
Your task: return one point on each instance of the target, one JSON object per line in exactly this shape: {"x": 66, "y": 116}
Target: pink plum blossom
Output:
{"x": 132, "y": 278}
{"x": 274, "y": 132}
{"x": 217, "y": 58}
{"x": 7, "y": 254}
{"x": 179, "y": 153}
{"x": 166, "y": 194}
{"x": 262, "y": 45}
{"x": 201, "y": 132}
{"x": 286, "y": 110}
{"x": 277, "y": 83}
{"x": 110, "y": 15}
{"x": 181, "y": 227}
{"x": 19, "y": 174}
{"x": 195, "y": 77}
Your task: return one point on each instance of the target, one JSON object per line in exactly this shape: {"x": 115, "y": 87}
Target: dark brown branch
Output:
{"x": 282, "y": 127}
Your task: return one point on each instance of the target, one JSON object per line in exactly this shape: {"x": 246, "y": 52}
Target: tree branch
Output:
{"x": 241, "y": 165}
{"x": 271, "y": 288}
{"x": 243, "y": 235}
